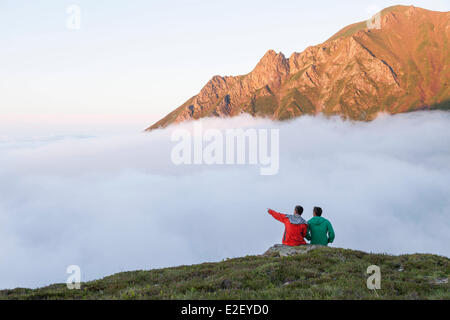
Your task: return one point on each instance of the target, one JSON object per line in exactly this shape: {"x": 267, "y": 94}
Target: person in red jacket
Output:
{"x": 295, "y": 226}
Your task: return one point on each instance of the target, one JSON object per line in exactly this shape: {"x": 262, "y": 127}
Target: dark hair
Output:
{"x": 318, "y": 211}
{"x": 299, "y": 210}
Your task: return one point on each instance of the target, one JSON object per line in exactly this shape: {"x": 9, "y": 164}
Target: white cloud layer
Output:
{"x": 111, "y": 203}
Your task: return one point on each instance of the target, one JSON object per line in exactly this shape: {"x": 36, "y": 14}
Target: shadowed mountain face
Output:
{"x": 359, "y": 72}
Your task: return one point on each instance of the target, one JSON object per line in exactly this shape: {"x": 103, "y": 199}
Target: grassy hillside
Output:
{"x": 324, "y": 273}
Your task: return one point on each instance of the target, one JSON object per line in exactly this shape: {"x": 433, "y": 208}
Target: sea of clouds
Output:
{"x": 111, "y": 202}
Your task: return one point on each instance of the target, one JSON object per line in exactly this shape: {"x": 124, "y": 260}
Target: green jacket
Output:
{"x": 320, "y": 231}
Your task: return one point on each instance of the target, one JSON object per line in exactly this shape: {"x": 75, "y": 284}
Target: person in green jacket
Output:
{"x": 320, "y": 230}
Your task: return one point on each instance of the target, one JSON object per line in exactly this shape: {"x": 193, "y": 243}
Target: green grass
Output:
{"x": 262, "y": 105}
{"x": 444, "y": 105}
{"x": 295, "y": 104}
{"x": 298, "y": 74}
{"x": 335, "y": 97}
{"x": 324, "y": 273}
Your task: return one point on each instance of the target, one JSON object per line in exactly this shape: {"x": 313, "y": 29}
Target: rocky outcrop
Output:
{"x": 280, "y": 250}
{"x": 357, "y": 73}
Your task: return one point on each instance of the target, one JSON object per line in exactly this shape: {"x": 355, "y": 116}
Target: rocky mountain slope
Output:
{"x": 357, "y": 73}
{"x": 307, "y": 272}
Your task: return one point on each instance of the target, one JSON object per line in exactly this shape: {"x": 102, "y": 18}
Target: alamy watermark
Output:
{"x": 74, "y": 280}
{"x": 374, "y": 280}
{"x": 227, "y": 147}
{"x": 374, "y": 22}
{"x": 73, "y": 21}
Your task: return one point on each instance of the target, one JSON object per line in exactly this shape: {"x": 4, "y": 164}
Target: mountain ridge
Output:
{"x": 356, "y": 73}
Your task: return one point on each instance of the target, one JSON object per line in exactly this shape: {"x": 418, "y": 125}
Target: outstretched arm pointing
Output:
{"x": 279, "y": 216}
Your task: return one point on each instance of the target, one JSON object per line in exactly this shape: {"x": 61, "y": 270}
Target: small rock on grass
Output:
{"x": 285, "y": 251}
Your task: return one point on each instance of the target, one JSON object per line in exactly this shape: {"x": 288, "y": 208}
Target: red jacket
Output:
{"x": 295, "y": 228}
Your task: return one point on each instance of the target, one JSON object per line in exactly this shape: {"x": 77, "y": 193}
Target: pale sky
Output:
{"x": 148, "y": 57}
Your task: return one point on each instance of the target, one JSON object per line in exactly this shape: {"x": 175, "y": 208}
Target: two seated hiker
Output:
{"x": 317, "y": 230}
